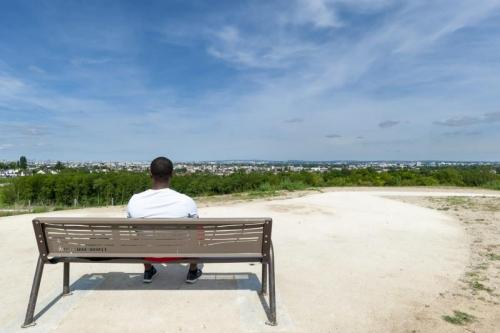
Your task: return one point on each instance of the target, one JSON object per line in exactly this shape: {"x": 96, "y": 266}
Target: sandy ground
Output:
{"x": 477, "y": 293}
{"x": 347, "y": 261}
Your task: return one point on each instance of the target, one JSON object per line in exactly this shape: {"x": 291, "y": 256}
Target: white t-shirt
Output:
{"x": 162, "y": 203}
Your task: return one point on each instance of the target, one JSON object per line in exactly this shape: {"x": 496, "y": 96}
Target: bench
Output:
{"x": 120, "y": 240}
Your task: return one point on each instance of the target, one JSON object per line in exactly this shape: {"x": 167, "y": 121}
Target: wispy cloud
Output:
{"x": 333, "y": 136}
{"x": 10, "y": 85}
{"x": 294, "y": 120}
{"x": 255, "y": 51}
{"x": 36, "y": 69}
{"x": 89, "y": 61}
{"x": 487, "y": 118}
{"x": 462, "y": 133}
{"x": 388, "y": 123}
{"x": 319, "y": 13}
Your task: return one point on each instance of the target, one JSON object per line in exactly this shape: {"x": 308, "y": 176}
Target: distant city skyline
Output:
{"x": 13, "y": 169}
{"x": 253, "y": 161}
{"x": 317, "y": 80}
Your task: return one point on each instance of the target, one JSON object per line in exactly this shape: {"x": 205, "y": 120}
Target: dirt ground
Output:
{"x": 348, "y": 260}
{"x": 472, "y": 304}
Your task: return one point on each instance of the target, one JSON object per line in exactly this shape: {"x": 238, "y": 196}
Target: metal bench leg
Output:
{"x": 30, "y": 312}
{"x": 265, "y": 266}
{"x": 272, "y": 289}
{"x": 66, "y": 291}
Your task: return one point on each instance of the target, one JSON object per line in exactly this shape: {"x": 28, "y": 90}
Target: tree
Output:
{"x": 59, "y": 166}
{"x": 23, "y": 162}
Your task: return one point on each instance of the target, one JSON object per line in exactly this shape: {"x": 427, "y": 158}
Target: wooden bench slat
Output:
{"x": 159, "y": 255}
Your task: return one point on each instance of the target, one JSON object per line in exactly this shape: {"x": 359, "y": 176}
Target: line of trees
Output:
{"x": 80, "y": 188}
{"x": 22, "y": 164}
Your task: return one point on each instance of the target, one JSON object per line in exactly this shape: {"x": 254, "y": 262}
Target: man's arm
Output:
{"x": 193, "y": 210}
{"x": 193, "y": 213}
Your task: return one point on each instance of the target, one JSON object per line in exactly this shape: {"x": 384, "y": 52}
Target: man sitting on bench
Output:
{"x": 162, "y": 202}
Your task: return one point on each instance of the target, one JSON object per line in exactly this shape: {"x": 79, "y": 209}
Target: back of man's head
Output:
{"x": 161, "y": 169}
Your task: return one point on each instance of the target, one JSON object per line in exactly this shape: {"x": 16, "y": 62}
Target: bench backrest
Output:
{"x": 137, "y": 238}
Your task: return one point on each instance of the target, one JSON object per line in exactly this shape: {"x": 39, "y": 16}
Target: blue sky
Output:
{"x": 295, "y": 79}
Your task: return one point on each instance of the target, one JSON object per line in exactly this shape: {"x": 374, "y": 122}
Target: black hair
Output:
{"x": 162, "y": 169}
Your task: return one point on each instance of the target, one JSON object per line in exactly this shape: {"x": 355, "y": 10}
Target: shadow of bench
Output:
{"x": 121, "y": 281}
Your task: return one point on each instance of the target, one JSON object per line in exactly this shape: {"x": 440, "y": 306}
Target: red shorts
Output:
{"x": 164, "y": 259}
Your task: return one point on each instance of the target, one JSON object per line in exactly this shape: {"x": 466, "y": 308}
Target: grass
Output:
{"x": 493, "y": 256}
{"x": 448, "y": 203}
{"x": 260, "y": 194}
{"x": 32, "y": 210}
{"x": 482, "y": 266}
{"x": 492, "y": 206}
{"x": 9, "y": 213}
{"x": 493, "y": 185}
{"x": 459, "y": 318}
{"x": 476, "y": 285}
{"x": 264, "y": 191}
{"x": 480, "y": 203}
{"x": 472, "y": 274}
{"x": 457, "y": 201}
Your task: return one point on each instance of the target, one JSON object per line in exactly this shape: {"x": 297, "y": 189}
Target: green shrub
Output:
{"x": 100, "y": 189}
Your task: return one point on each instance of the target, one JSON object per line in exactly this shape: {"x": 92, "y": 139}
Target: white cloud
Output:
{"x": 421, "y": 24}
{"x": 319, "y": 13}
{"x": 36, "y": 70}
{"x": 10, "y": 85}
{"x": 256, "y": 51}
{"x": 314, "y": 66}
{"x": 81, "y": 61}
